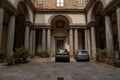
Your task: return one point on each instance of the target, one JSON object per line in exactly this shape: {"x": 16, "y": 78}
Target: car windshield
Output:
{"x": 62, "y": 50}
{"x": 83, "y": 52}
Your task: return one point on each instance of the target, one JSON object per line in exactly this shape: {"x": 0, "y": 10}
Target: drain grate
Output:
{"x": 60, "y": 78}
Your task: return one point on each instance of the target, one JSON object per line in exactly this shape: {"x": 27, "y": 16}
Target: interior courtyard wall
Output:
{"x": 30, "y": 14}
{"x": 77, "y": 19}
{"x": 90, "y": 15}
{"x": 30, "y": 11}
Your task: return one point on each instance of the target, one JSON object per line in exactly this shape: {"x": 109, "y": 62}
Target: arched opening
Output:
{"x": 113, "y": 17}
{"x": 20, "y": 25}
{"x": 60, "y": 34}
{"x": 6, "y": 18}
{"x": 100, "y": 26}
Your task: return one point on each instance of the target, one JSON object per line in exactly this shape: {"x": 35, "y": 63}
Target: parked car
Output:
{"x": 82, "y": 55}
{"x": 62, "y": 55}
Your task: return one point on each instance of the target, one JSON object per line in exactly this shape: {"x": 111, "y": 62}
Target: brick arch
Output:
{"x": 64, "y": 15}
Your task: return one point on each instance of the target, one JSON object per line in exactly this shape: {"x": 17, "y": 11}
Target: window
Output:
{"x": 80, "y": 1}
{"x": 60, "y": 24}
{"x": 40, "y": 1}
{"x": 60, "y": 3}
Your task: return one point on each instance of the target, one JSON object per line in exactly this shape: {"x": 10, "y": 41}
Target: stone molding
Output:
{"x": 28, "y": 23}
{"x": 59, "y": 11}
{"x": 90, "y": 24}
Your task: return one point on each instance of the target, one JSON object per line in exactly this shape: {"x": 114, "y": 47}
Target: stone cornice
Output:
{"x": 111, "y": 7}
{"x": 60, "y": 11}
{"x": 70, "y": 26}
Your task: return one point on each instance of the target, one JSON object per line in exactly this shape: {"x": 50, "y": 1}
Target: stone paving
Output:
{"x": 47, "y": 69}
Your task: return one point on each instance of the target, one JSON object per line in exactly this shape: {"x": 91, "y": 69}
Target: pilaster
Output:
{"x": 27, "y": 35}
{"x": 71, "y": 41}
{"x": 109, "y": 38}
{"x": 1, "y": 22}
{"x": 10, "y": 38}
{"x": 43, "y": 39}
{"x": 76, "y": 39}
{"x": 118, "y": 26}
{"x": 93, "y": 42}
{"x": 48, "y": 39}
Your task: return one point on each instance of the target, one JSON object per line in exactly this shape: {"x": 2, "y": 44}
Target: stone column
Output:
{"x": 44, "y": 39}
{"x": 1, "y": 22}
{"x": 89, "y": 42}
{"x": 86, "y": 40}
{"x": 31, "y": 40}
{"x": 109, "y": 38}
{"x": 48, "y": 39}
{"x": 76, "y": 39}
{"x": 93, "y": 42}
{"x": 27, "y": 35}
{"x": 10, "y": 38}
{"x": 71, "y": 41}
{"x": 118, "y": 25}
{"x": 34, "y": 40}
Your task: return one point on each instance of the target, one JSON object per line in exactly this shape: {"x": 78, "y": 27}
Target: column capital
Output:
{"x": 28, "y": 24}
{"x": 90, "y": 24}
{"x": 118, "y": 7}
{"x": 49, "y": 29}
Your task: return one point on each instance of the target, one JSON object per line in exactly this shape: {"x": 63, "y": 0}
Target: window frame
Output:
{"x": 80, "y": 1}
{"x": 60, "y": 3}
{"x": 39, "y": 1}
{"x": 60, "y": 24}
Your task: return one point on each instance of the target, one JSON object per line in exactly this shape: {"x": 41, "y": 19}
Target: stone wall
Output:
{"x": 74, "y": 19}
{"x": 51, "y": 4}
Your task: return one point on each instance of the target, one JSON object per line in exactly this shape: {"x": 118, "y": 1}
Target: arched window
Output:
{"x": 60, "y": 3}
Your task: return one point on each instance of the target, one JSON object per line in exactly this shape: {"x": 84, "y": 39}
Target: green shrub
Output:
{"x": 21, "y": 55}
{"x": 101, "y": 54}
{"x": 116, "y": 63}
{"x": 44, "y": 54}
{"x": 32, "y": 55}
{"x": 9, "y": 59}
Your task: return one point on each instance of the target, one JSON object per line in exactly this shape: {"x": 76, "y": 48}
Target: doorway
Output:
{"x": 60, "y": 43}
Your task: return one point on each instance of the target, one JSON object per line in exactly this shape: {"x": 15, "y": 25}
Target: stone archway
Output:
{"x": 20, "y": 25}
{"x": 100, "y": 25}
{"x": 60, "y": 34}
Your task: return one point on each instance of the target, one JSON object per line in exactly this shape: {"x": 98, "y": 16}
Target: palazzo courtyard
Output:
{"x": 48, "y": 69}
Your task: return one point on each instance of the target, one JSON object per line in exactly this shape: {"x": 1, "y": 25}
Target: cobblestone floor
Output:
{"x": 41, "y": 69}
